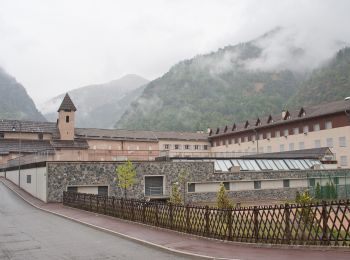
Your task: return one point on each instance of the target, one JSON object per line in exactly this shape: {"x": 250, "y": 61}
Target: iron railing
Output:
{"x": 327, "y": 223}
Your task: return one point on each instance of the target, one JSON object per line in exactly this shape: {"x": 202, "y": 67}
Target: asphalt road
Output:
{"x": 28, "y": 233}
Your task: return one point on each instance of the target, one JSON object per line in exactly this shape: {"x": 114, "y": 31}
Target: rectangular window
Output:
{"x": 187, "y": 147}
{"x": 286, "y": 184}
{"x": 281, "y": 147}
{"x": 67, "y": 119}
{"x": 305, "y": 129}
{"x": 239, "y": 140}
{"x": 328, "y": 125}
{"x": 29, "y": 178}
{"x": 342, "y": 141}
{"x": 261, "y": 136}
{"x": 205, "y": 147}
{"x": 246, "y": 139}
{"x": 285, "y": 132}
{"x": 277, "y": 134}
{"x": 191, "y": 187}
{"x": 253, "y": 137}
{"x": 336, "y": 180}
{"x": 296, "y": 130}
{"x": 317, "y": 143}
{"x": 312, "y": 182}
{"x": 166, "y": 147}
{"x": 196, "y": 147}
{"x": 257, "y": 185}
{"x": 330, "y": 142}
{"x": 72, "y": 189}
{"x": 291, "y": 147}
{"x": 268, "y": 135}
{"x": 177, "y": 147}
{"x": 316, "y": 127}
{"x": 226, "y": 185}
{"x": 102, "y": 190}
{"x": 301, "y": 145}
{"x": 343, "y": 161}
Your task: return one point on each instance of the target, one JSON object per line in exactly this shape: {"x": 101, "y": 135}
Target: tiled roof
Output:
{"x": 294, "y": 115}
{"x": 27, "y": 146}
{"x": 67, "y": 104}
{"x": 120, "y": 134}
{"x": 314, "y": 153}
{"x": 27, "y": 126}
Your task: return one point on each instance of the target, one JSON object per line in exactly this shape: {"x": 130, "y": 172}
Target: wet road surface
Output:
{"x": 29, "y": 233}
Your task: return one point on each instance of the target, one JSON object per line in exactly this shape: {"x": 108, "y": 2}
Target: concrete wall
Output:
{"x": 63, "y": 174}
{"x": 38, "y": 185}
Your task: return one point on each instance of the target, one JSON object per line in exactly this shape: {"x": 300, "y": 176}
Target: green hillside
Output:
{"x": 211, "y": 90}
{"x": 329, "y": 83}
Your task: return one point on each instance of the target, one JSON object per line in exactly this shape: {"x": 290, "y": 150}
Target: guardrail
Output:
{"x": 323, "y": 224}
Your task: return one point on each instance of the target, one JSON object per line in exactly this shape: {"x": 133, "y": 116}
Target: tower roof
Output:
{"x": 67, "y": 104}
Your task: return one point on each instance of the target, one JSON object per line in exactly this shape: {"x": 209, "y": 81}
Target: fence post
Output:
{"x": 256, "y": 223}
{"x": 207, "y": 231}
{"x": 132, "y": 210}
{"x": 105, "y": 204}
{"x": 113, "y": 205}
{"x": 325, "y": 238}
{"x": 188, "y": 222}
{"x": 229, "y": 224}
{"x": 287, "y": 231}
{"x": 144, "y": 212}
{"x": 171, "y": 214}
{"x": 157, "y": 213}
{"x": 122, "y": 207}
{"x": 90, "y": 202}
{"x": 97, "y": 203}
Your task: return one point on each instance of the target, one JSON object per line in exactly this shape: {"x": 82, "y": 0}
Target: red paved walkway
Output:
{"x": 178, "y": 242}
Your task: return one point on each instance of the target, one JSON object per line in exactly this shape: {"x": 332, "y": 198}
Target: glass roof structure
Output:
{"x": 225, "y": 165}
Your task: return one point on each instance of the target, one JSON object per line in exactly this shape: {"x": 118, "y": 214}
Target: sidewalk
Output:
{"x": 177, "y": 242}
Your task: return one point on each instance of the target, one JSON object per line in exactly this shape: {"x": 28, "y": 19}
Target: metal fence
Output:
{"x": 329, "y": 186}
{"x": 327, "y": 223}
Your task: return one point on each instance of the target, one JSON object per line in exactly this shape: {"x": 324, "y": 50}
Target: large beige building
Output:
{"x": 326, "y": 125}
{"x": 61, "y": 140}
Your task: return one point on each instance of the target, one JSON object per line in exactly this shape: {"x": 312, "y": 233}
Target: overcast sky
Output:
{"x": 54, "y": 46}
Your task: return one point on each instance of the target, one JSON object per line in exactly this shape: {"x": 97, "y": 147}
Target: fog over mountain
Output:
{"x": 53, "y": 46}
{"x": 235, "y": 83}
{"x": 99, "y": 105}
{"x": 14, "y": 100}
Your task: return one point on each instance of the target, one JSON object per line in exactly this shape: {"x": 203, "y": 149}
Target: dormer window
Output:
{"x": 246, "y": 124}
{"x": 67, "y": 119}
{"x": 287, "y": 115}
{"x": 302, "y": 112}
{"x": 234, "y": 127}
{"x": 225, "y": 130}
{"x": 270, "y": 120}
{"x": 210, "y": 132}
{"x": 258, "y": 122}
{"x": 217, "y": 130}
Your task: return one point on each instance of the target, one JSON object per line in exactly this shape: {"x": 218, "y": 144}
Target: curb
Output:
{"x": 137, "y": 240}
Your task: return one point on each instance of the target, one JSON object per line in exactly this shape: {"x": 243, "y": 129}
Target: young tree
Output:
{"x": 175, "y": 196}
{"x": 318, "y": 191}
{"x": 126, "y": 176}
{"x": 183, "y": 178}
{"x": 223, "y": 201}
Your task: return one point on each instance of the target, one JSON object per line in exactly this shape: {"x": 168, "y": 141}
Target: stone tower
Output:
{"x": 66, "y": 118}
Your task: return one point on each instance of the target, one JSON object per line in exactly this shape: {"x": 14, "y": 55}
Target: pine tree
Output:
{"x": 223, "y": 201}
